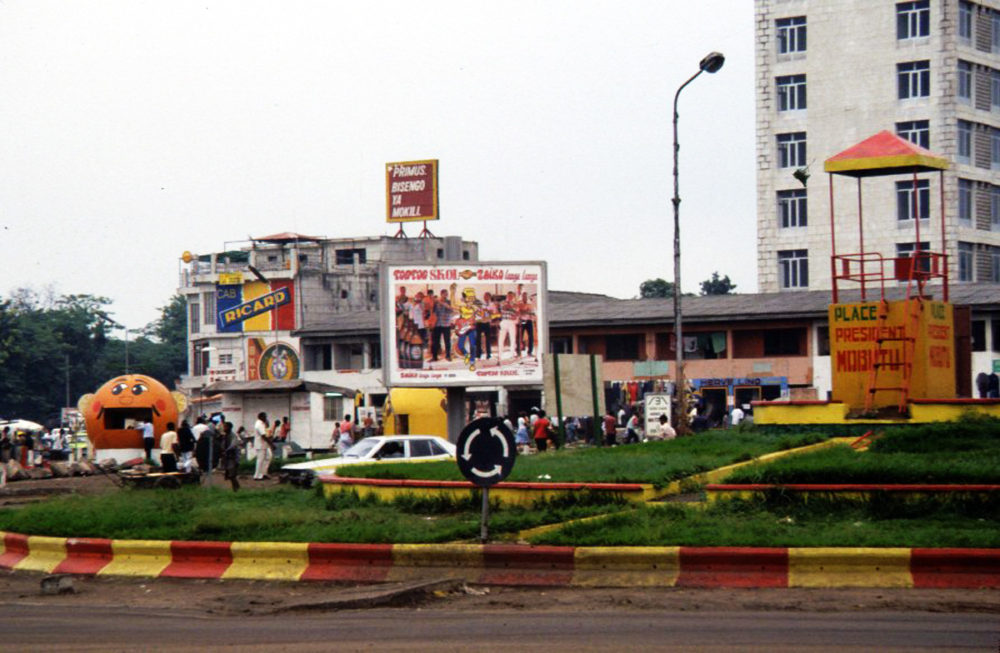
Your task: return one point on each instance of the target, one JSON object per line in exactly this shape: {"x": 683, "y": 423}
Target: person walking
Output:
{"x": 169, "y": 449}
{"x": 610, "y": 425}
{"x": 262, "y": 446}
{"x": 185, "y": 443}
{"x": 540, "y": 431}
{"x": 148, "y": 438}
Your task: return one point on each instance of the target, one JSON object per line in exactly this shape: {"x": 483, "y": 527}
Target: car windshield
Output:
{"x": 361, "y": 449}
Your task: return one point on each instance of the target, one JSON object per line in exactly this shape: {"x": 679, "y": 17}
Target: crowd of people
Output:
{"x": 498, "y": 329}
{"x": 32, "y": 447}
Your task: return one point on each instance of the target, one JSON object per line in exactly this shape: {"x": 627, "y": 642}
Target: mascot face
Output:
{"x": 113, "y": 411}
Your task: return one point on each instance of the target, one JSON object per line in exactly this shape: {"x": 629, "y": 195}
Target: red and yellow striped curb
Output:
{"x": 510, "y": 564}
{"x": 851, "y": 491}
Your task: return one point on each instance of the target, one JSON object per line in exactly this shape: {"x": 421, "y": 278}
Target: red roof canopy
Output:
{"x": 884, "y": 153}
{"x": 286, "y": 237}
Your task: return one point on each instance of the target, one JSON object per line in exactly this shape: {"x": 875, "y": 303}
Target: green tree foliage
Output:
{"x": 656, "y": 288}
{"x": 717, "y": 286}
{"x": 49, "y": 342}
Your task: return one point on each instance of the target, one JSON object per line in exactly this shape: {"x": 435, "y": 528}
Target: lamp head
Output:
{"x": 712, "y": 62}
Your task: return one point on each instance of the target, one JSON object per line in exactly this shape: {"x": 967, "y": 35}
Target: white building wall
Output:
{"x": 850, "y": 67}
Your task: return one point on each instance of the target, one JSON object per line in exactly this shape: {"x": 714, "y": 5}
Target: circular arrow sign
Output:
{"x": 486, "y": 451}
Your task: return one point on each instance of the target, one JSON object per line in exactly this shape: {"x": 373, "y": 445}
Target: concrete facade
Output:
{"x": 850, "y": 56}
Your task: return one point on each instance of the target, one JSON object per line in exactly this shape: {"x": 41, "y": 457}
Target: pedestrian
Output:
{"x": 169, "y": 449}
{"x": 27, "y": 450}
{"x": 541, "y": 431}
{"x": 5, "y": 445}
{"x": 346, "y": 440}
{"x": 667, "y": 432}
{"x": 610, "y": 425}
{"x": 203, "y": 447}
{"x": 632, "y": 430}
{"x": 521, "y": 438}
{"x": 335, "y": 437}
{"x": 736, "y": 416}
{"x": 262, "y": 446}
{"x": 148, "y": 438}
{"x": 230, "y": 456}
{"x": 368, "y": 429}
{"x": 185, "y": 443}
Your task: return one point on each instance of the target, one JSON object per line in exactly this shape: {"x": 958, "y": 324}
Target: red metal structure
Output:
{"x": 881, "y": 155}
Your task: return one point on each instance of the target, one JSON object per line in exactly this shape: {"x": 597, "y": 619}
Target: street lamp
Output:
{"x": 711, "y": 63}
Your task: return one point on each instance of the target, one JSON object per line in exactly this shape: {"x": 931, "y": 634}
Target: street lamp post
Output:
{"x": 711, "y": 63}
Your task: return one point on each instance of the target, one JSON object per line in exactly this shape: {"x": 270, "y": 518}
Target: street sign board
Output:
{"x": 486, "y": 451}
{"x": 656, "y": 405}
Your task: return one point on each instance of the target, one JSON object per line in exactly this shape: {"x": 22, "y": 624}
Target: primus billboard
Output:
{"x": 464, "y": 324}
{"x": 411, "y": 191}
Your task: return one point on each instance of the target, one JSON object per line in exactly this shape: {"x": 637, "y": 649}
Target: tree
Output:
{"x": 717, "y": 286}
{"x": 656, "y": 288}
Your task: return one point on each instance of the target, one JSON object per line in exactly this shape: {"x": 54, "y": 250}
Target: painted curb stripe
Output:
{"x": 44, "y": 554}
{"x": 634, "y": 566}
{"x": 411, "y": 561}
{"x": 85, "y": 556}
{"x": 846, "y": 567}
{"x": 733, "y": 567}
{"x": 352, "y": 562}
{"x": 512, "y": 564}
{"x": 198, "y": 560}
{"x": 15, "y": 549}
{"x": 944, "y": 568}
{"x": 466, "y": 485}
{"x": 137, "y": 558}
{"x": 268, "y": 560}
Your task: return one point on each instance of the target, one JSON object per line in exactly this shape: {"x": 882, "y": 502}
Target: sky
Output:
{"x": 133, "y": 131}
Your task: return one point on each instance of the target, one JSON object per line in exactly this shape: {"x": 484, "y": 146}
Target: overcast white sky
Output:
{"x": 133, "y": 131}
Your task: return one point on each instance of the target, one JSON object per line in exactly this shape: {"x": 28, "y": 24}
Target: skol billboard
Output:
{"x": 929, "y": 359}
{"x": 255, "y": 306}
{"x": 464, "y": 324}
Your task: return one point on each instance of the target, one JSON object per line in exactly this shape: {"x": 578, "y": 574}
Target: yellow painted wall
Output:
{"x": 425, "y": 407}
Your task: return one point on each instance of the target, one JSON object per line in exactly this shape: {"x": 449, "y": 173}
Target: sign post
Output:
{"x": 486, "y": 452}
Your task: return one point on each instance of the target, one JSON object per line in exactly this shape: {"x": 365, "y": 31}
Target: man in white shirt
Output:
{"x": 736, "y": 416}
{"x": 148, "y": 438}
{"x": 262, "y": 447}
{"x": 168, "y": 449}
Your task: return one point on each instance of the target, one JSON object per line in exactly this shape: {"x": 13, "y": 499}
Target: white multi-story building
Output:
{"x": 831, "y": 73}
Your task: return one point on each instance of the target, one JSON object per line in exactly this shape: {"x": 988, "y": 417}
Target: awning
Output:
{"x": 275, "y": 387}
{"x": 884, "y": 153}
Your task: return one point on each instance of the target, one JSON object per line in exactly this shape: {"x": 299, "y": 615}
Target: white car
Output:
{"x": 380, "y": 448}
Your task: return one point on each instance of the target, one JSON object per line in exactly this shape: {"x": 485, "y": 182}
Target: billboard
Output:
{"x": 254, "y": 305}
{"x": 464, "y": 324}
{"x": 411, "y": 191}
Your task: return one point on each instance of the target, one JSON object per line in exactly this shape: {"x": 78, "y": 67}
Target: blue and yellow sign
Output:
{"x": 236, "y": 314}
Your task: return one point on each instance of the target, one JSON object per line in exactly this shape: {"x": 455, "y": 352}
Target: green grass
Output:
{"x": 651, "y": 462}
{"x": 281, "y": 514}
{"x": 967, "y": 451}
{"x": 740, "y": 523}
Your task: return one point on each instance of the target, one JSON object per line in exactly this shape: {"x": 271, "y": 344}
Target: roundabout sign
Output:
{"x": 486, "y": 451}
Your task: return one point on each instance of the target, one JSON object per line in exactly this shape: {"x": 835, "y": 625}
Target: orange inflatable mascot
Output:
{"x": 111, "y": 413}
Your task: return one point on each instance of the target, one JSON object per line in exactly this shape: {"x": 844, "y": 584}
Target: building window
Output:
{"x": 995, "y": 278}
{"x": 995, "y": 148}
{"x": 904, "y": 200}
{"x": 793, "y": 268}
{"x": 914, "y": 78}
{"x": 965, "y": 21}
{"x": 996, "y": 31}
{"x": 906, "y": 250}
{"x": 791, "y": 34}
{"x": 792, "y": 208}
{"x": 791, "y": 92}
{"x": 621, "y": 347}
{"x": 194, "y": 319}
{"x": 317, "y": 357}
{"x": 332, "y": 407}
{"x": 965, "y": 200}
{"x": 964, "y": 141}
{"x": 208, "y": 301}
{"x": 225, "y": 359}
{"x": 346, "y": 256}
{"x": 995, "y": 208}
{"x": 917, "y": 132}
{"x": 348, "y": 356}
{"x": 965, "y": 261}
{"x": 913, "y": 19}
{"x": 784, "y": 342}
{"x": 965, "y": 81}
{"x": 792, "y": 150}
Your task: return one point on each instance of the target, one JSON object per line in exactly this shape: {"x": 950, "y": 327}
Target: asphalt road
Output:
{"x": 38, "y": 627}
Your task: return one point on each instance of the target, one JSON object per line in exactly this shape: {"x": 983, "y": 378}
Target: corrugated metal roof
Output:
{"x": 572, "y": 309}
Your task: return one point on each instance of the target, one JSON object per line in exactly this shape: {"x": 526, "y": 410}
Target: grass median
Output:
{"x": 657, "y": 463}
{"x": 967, "y": 451}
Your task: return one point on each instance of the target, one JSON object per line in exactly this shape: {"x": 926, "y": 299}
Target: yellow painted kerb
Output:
{"x": 849, "y": 567}
{"x": 268, "y": 560}
{"x": 44, "y": 554}
{"x": 137, "y": 558}
{"x": 638, "y": 566}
